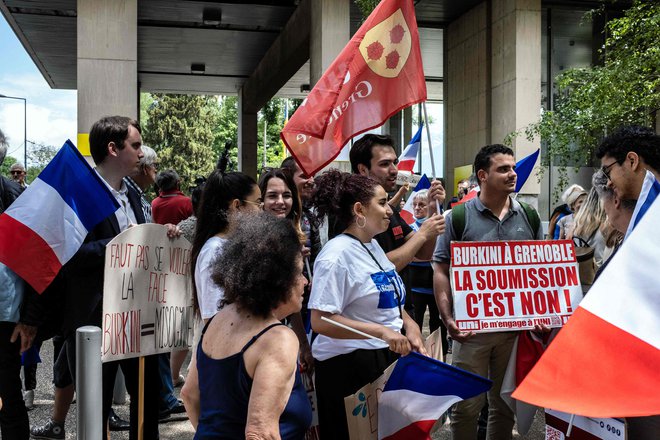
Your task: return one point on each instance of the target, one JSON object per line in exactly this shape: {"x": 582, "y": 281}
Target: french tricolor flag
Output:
{"x": 409, "y": 155}
{"x": 47, "y": 224}
{"x": 407, "y": 210}
{"x": 605, "y": 361}
{"x": 418, "y": 392}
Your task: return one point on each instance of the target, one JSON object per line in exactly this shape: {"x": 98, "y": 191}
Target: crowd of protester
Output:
{"x": 275, "y": 262}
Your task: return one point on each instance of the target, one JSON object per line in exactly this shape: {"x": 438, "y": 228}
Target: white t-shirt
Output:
{"x": 208, "y": 293}
{"x": 348, "y": 282}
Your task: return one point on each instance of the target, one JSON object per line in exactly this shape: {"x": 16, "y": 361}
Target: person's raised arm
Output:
{"x": 418, "y": 244}
{"x": 445, "y": 302}
{"x": 272, "y": 382}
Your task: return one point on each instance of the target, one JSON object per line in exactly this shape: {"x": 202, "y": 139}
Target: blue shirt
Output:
{"x": 12, "y": 289}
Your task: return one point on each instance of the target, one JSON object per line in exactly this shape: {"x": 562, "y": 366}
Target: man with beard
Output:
{"x": 374, "y": 156}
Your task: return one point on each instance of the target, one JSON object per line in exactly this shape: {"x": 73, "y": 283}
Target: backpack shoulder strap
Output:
{"x": 532, "y": 217}
{"x": 458, "y": 220}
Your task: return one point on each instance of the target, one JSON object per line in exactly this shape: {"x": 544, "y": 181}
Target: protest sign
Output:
{"x": 583, "y": 428}
{"x": 147, "y": 296}
{"x": 513, "y": 285}
{"x": 404, "y": 177}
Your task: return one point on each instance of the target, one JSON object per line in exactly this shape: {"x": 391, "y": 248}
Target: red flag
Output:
{"x": 377, "y": 74}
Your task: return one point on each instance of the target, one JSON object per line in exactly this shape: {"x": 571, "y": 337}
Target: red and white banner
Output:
{"x": 513, "y": 285}
{"x": 378, "y": 73}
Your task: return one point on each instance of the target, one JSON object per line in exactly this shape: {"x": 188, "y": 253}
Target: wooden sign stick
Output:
{"x": 141, "y": 399}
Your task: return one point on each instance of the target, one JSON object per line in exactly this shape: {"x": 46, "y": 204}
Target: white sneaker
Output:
{"x": 28, "y": 398}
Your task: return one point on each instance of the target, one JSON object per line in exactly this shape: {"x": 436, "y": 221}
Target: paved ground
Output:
{"x": 176, "y": 428}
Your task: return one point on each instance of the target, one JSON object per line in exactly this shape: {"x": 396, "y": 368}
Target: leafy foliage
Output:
{"x": 39, "y": 156}
{"x": 594, "y": 101}
{"x": 181, "y": 128}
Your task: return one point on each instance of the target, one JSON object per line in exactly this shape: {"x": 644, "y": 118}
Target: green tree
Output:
{"x": 594, "y": 101}
{"x": 4, "y": 168}
{"x": 227, "y": 130}
{"x": 39, "y": 155}
{"x": 181, "y": 130}
{"x": 272, "y": 116}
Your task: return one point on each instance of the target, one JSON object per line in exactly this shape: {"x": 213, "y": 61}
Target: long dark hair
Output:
{"x": 219, "y": 191}
{"x": 296, "y": 208}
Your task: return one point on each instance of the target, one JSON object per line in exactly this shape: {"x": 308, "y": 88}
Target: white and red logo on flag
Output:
{"x": 377, "y": 74}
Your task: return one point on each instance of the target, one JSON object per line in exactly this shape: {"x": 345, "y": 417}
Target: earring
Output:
{"x": 357, "y": 221}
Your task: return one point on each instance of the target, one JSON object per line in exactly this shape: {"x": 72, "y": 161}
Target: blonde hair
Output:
{"x": 589, "y": 217}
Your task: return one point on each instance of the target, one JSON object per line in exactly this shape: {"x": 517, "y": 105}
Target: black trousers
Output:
{"x": 341, "y": 376}
{"x": 130, "y": 368}
{"x": 14, "y": 422}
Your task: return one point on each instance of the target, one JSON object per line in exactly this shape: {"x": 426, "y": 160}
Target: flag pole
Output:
{"x": 428, "y": 137}
{"x": 570, "y": 426}
{"x": 351, "y": 329}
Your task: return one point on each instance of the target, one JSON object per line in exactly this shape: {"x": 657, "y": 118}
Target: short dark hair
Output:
{"x": 167, "y": 180}
{"x": 258, "y": 264}
{"x": 336, "y": 194}
{"x": 109, "y": 129}
{"x": 482, "y": 159}
{"x": 361, "y": 150}
{"x": 641, "y": 140}
{"x": 290, "y": 164}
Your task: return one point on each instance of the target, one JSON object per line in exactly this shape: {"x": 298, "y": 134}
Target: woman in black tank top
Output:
{"x": 244, "y": 381}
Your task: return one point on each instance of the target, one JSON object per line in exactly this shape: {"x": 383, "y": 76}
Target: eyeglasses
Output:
{"x": 606, "y": 169}
{"x": 259, "y": 203}
{"x": 16, "y": 172}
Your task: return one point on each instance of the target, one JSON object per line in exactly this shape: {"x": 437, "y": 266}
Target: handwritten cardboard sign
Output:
{"x": 147, "y": 295}
{"x": 513, "y": 285}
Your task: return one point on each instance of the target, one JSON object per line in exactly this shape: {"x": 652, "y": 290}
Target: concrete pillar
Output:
{"x": 107, "y": 63}
{"x": 330, "y": 31}
{"x": 493, "y": 81}
{"x": 247, "y": 138}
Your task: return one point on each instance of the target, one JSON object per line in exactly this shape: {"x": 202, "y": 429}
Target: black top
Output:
{"x": 396, "y": 234}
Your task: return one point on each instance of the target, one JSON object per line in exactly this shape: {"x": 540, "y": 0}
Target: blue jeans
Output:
{"x": 167, "y": 398}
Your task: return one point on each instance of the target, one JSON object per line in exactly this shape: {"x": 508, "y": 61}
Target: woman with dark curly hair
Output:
{"x": 356, "y": 285}
{"x": 224, "y": 197}
{"x": 244, "y": 382}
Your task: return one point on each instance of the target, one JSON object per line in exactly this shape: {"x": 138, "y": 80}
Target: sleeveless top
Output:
{"x": 225, "y": 387}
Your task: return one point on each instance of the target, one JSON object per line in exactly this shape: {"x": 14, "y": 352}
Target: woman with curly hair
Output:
{"x": 244, "y": 382}
{"x": 224, "y": 198}
{"x": 356, "y": 285}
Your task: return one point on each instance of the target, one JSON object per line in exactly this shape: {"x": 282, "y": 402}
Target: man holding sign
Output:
{"x": 115, "y": 144}
{"x": 492, "y": 216}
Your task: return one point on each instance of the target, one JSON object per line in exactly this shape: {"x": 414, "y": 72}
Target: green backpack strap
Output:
{"x": 458, "y": 220}
{"x": 532, "y": 217}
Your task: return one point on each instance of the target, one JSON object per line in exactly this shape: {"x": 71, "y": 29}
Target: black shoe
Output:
{"x": 116, "y": 423}
{"x": 165, "y": 414}
{"x": 51, "y": 430}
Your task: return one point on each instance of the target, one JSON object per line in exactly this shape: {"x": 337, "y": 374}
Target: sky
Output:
{"x": 51, "y": 114}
